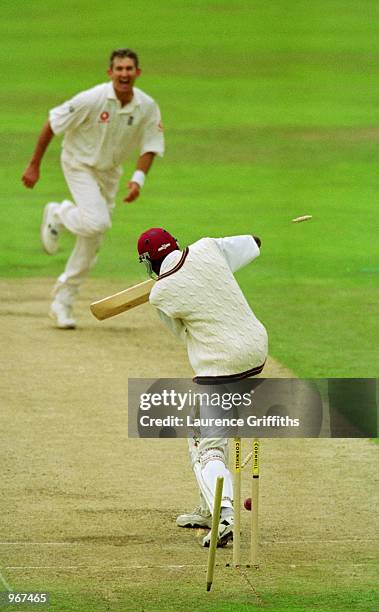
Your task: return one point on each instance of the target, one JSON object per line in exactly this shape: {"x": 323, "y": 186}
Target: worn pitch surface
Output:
{"x": 85, "y": 508}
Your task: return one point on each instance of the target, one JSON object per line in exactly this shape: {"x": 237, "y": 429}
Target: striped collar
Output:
{"x": 177, "y": 266}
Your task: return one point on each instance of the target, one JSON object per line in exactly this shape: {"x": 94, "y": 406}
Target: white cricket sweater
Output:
{"x": 199, "y": 299}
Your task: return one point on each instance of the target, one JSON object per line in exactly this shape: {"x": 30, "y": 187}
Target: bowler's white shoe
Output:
{"x": 200, "y": 517}
{"x": 50, "y": 228}
{"x": 225, "y": 533}
{"x": 62, "y": 315}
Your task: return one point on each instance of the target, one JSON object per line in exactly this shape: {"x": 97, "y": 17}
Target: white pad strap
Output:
{"x": 207, "y": 469}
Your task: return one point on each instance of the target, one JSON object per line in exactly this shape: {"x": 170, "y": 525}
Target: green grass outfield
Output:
{"x": 270, "y": 112}
{"x": 285, "y": 589}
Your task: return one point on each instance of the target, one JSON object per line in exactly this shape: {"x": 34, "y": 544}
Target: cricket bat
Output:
{"x": 122, "y": 301}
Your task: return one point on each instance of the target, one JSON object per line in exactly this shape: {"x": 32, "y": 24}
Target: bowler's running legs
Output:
{"x": 94, "y": 194}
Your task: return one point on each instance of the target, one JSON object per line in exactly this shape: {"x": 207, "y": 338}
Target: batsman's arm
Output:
{"x": 31, "y": 174}
{"x": 176, "y": 326}
{"x": 239, "y": 250}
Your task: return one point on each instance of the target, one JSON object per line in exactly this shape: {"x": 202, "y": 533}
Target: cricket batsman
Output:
{"x": 198, "y": 298}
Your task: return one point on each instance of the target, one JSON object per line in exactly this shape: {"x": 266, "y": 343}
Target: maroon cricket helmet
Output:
{"x": 154, "y": 245}
{"x": 157, "y": 243}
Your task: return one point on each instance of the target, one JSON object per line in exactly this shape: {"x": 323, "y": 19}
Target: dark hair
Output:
{"x": 123, "y": 53}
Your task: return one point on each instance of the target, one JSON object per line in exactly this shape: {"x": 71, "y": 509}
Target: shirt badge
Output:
{"x": 130, "y": 120}
{"x": 104, "y": 117}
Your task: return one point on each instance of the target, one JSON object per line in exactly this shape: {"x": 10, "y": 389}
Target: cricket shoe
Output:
{"x": 200, "y": 517}
{"x": 225, "y": 533}
{"x": 62, "y": 315}
{"x": 50, "y": 228}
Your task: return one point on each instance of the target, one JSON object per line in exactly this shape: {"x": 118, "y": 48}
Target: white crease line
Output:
{"x": 263, "y": 542}
{"x": 303, "y": 541}
{"x": 5, "y": 583}
{"x": 41, "y": 543}
{"x": 99, "y": 567}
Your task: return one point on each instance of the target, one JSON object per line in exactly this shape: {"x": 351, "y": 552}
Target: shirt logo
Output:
{"x": 104, "y": 117}
{"x": 130, "y": 120}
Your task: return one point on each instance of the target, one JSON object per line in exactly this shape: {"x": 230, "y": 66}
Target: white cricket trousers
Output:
{"x": 88, "y": 217}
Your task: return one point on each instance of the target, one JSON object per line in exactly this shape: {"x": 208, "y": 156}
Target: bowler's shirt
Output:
{"x": 101, "y": 133}
{"x": 198, "y": 297}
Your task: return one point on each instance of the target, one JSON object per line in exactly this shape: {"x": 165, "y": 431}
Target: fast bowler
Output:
{"x": 102, "y": 127}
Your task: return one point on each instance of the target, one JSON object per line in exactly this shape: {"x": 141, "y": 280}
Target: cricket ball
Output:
{"x": 247, "y": 503}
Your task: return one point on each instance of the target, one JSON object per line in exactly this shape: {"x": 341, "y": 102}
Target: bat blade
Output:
{"x": 123, "y": 300}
